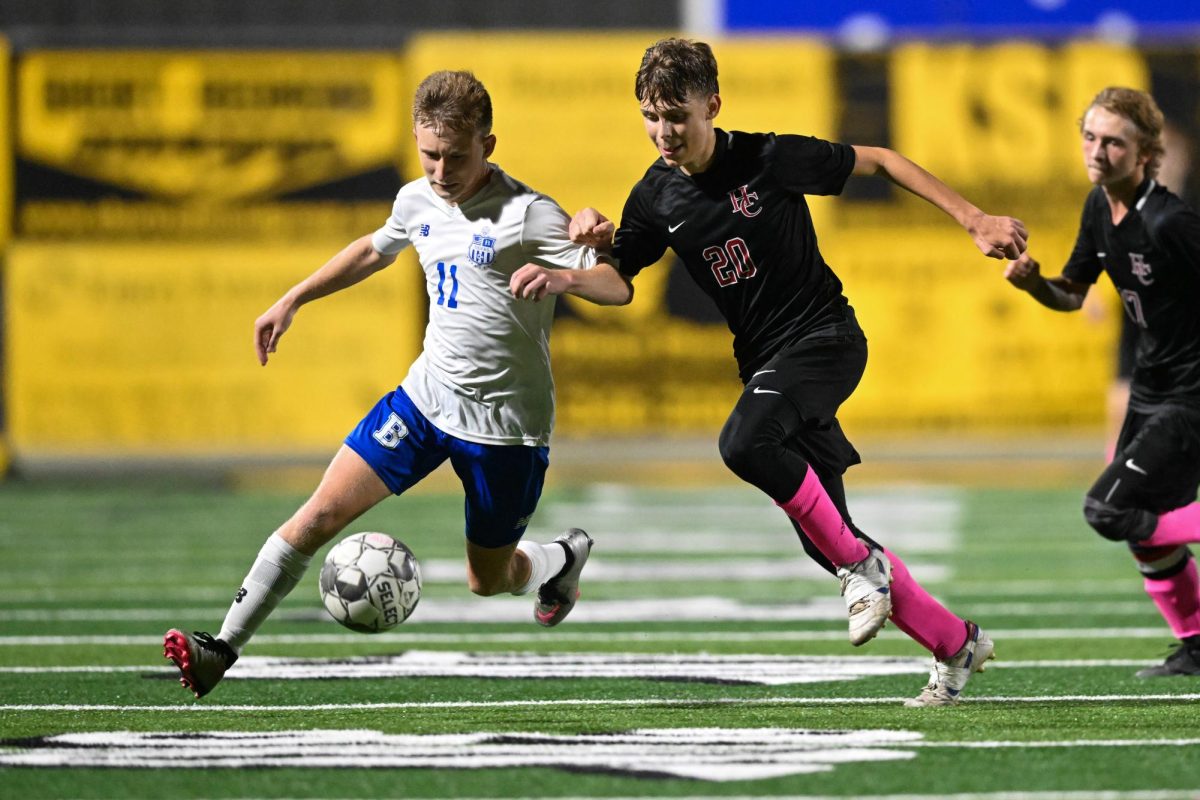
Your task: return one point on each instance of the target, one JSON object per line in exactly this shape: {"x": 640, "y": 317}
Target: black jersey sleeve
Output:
{"x": 638, "y": 242}
{"x": 808, "y": 165}
{"x": 1179, "y": 235}
{"x": 1084, "y": 265}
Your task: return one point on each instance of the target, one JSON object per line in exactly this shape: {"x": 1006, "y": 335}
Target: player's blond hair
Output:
{"x": 675, "y": 70}
{"x": 453, "y": 101}
{"x": 1139, "y": 108}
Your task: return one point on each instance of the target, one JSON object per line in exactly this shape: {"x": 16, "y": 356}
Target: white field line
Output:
{"x": 1138, "y": 794}
{"x": 1058, "y": 664}
{"x": 794, "y": 566}
{"x": 499, "y": 609}
{"x": 580, "y": 702}
{"x": 962, "y": 595}
{"x": 592, "y": 637}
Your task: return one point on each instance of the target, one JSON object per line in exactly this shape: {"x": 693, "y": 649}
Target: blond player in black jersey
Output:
{"x": 1148, "y": 241}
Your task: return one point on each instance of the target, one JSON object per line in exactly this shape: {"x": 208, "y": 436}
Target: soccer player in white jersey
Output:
{"x": 480, "y": 394}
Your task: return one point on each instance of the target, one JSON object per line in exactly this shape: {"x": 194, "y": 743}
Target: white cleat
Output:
{"x": 556, "y": 597}
{"x": 947, "y": 678}
{"x": 866, "y": 588}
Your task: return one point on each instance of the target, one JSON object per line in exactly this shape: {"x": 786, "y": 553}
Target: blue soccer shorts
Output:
{"x": 502, "y": 482}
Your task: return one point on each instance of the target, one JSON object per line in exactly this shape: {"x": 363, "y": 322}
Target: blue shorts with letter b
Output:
{"x": 502, "y": 482}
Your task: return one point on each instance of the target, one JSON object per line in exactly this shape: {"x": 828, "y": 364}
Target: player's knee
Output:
{"x": 313, "y": 526}
{"x": 748, "y": 453}
{"x": 736, "y": 452}
{"x": 1118, "y": 524}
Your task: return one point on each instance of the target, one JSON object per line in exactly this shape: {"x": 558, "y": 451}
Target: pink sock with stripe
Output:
{"x": 1178, "y": 600}
{"x": 1181, "y": 526}
{"x": 927, "y": 621}
{"x": 823, "y": 523}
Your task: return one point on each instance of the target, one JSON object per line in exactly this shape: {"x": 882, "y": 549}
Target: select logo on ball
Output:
{"x": 370, "y": 582}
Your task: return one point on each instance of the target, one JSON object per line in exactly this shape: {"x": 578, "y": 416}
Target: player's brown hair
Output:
{"x": 454, "y": 101}
{"x": 675, "y": 70}
{"x": 1139, "y": 108}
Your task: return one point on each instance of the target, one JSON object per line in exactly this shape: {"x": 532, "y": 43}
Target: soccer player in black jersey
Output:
{"x": 731, "y": 205}
{"x": 1148, "y": 241}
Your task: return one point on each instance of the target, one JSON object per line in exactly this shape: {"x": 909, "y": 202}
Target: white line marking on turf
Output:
{"x": 504, "y": 609}
{"x": 559, "y": 637}
{"x": 834, "y": 661}
{"x": 1098, "y": 794}
{"x": 785, "y": 566}
{"x": 644, "y": 701}
{"x": 709, "y": 754}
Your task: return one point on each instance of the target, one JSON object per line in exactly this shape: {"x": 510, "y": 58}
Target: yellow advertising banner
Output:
{"x": 148, "y": 351}
{"x": 187, "y": 136}
{"x": 1002, "y": 114}
{"x": 954, "y": 346}
{"x": 6, "y": 157}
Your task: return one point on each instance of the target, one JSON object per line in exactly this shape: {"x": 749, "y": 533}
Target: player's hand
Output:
{"x": 591, "y": 228}
{"x": 533, "y": 282}
{"x": 999, "y": 237}
{"x": 271, "y": 326}
{"x": 1024, "y": 273}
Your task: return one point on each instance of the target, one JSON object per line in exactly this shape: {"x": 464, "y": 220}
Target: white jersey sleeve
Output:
{"x": 393, "y": 236}
{"x": 546, "y": 241}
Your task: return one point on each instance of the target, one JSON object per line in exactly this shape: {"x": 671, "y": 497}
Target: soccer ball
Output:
{"x": 370, "y": 582}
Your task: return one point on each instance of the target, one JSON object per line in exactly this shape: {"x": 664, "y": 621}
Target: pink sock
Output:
{"x": 1177, "y": 598}
{"x": 823, "y": 523}
{"x": 926, "y": 620}
{"x": 1181, "y": 526}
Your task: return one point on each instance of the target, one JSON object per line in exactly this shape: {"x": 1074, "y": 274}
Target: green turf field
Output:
{"x": 707, "y": 657}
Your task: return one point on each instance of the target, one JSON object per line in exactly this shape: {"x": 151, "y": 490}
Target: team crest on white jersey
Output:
{"x": 1141, "y": 270}
{"x": 482, "y": 250}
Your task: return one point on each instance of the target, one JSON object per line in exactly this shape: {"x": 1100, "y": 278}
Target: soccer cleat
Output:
{"x": 947, "y": 678}
{"x": 1184, "y": 660}
{"x": 556, "y": 597}
{"x": 866, "y": 587}
{"x": 202, "y": 659}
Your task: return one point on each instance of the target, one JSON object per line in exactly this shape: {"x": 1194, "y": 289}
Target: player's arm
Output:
{"x": 600, "y": 283}
{"x": 356, "y": 261}
{"x": 996, "y": 237}
{"x": 560, "y": 264}
{"x": 1060, "y": 294}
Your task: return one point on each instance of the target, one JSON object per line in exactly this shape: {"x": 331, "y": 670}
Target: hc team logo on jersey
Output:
{"x": 742, "y": 199}
{"x": 1141, "y": 270}
{"x": 482, "y": 250}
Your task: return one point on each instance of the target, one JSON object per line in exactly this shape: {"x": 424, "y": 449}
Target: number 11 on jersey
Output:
{"x": 452, "y": 301}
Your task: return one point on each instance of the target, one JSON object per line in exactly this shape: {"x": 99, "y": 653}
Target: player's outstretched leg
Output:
{"x": 202, "y": 660}
{"x": 949, "y": 676}
{"x": 866, "y": 588}
{"x": 556, "y": 597}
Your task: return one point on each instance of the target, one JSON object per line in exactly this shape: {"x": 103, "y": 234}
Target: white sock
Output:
{"x": 545, "y": 561}
{"x": 275, "y": 573}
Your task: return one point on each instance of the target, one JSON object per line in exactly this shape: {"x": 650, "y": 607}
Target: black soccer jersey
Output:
{"x": 743, "y": 230}
{"x": 1153, "y": 258}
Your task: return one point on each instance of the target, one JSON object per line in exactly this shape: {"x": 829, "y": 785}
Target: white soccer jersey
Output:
{"x": 484, "y": 373}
